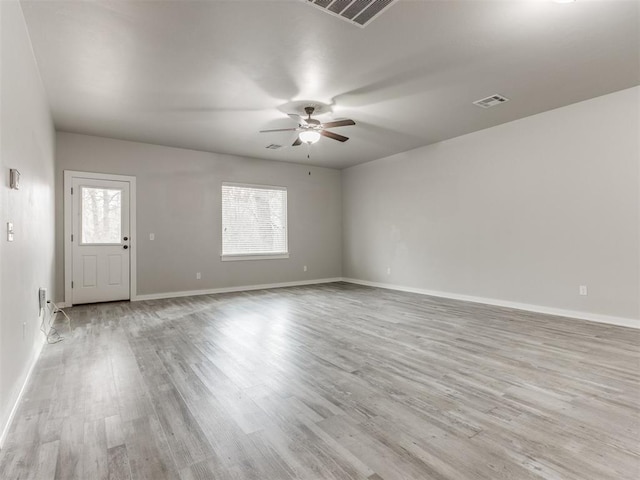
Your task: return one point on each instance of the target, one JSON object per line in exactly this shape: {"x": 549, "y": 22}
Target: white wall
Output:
{"x": 178, "y": 199}
{"x": 26, "y": 143}
{"x": 523, "y": 212}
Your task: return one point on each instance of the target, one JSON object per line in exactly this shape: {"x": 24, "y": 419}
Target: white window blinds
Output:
{"x": 254, "y": 220}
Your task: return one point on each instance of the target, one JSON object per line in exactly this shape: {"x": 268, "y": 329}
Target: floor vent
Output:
{"x": 491, "y": 101}
{"x": 356, "y": 12}
{"x": 273, "y": 146}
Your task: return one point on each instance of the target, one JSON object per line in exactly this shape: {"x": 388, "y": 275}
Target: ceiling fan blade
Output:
{"x": 297, "y": 142}
{"x": 335, "y": 136}
{"x": 338, "y": 123}
{"x": 279, "y": 130}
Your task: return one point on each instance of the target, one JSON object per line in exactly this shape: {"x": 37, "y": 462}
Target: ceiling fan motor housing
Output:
{"x": 311, "y": 121}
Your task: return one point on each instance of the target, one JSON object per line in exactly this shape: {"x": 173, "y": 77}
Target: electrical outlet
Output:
{"x": 42, "y": 298}
{"x": 152, "y": 236}
{"x": 582, "y": 290}
{"x": 198, "y": 276}
{"x": 304, "y": 269}
{"x": 9, "y": 232}
{"x": 388, "y": 270}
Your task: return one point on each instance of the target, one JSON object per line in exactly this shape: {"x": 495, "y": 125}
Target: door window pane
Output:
{"x": 101, "y": 215}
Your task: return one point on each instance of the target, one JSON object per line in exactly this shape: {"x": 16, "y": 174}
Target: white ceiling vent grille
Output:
{"x": 356, "y": 12}
{"x": 273, "y": 146}
{"x": 491, "y": 101}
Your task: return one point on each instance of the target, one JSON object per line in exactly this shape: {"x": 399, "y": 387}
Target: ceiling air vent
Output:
{"x": 491, "y": 101}
{"x": 356, "y": 12}
{"x": 273, "y": 146}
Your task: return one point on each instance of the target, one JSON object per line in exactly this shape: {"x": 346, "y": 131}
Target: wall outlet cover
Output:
{"x": 42, "y": 298}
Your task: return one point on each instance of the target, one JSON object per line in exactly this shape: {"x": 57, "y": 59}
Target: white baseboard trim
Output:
{"x": 7, "y": 426}
{"x": 243, "y": 288}
{"x": 592, "y": 317}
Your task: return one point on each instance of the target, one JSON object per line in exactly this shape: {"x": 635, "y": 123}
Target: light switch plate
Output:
{"x": 14, "y": 179}
{"x": 9, "y": 232}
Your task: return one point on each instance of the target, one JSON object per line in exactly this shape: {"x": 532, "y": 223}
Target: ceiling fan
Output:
{"x": 311, "y": 129}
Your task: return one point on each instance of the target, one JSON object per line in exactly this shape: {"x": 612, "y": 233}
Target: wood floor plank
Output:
{"x": 113, "y": 431}
{"x": 148, "y": 451}
{"x": 69, "y": 465}
{"x": 45, "y": 461}
{"x": 334, "y": 381}
{"x": 94, "y": 452}
{"x": 118, "y": 463}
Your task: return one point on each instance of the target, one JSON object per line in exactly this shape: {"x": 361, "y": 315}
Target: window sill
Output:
{"x": 235, "y": 258}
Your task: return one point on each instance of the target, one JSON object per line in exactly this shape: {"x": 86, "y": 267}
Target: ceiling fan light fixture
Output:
{"x": 309, "y": 136}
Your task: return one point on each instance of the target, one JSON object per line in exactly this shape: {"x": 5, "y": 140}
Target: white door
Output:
{"x": 100, "y": 240}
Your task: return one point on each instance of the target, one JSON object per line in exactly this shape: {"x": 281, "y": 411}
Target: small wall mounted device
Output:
{"x": 42, "y": 298}
{"x": 14, "y": 179}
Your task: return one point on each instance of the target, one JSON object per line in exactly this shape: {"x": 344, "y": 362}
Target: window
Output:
{"x": 101, "y": 215}
{"x": 254, "y": 222}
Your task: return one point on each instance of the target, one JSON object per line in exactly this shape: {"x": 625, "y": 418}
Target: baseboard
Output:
{"x": 591, "y": 317}
{"x": 243, "y": 288}
{"x": 7, "y": 426}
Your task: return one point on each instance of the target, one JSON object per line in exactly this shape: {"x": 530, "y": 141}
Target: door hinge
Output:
{"x": 71, "y": 190}
{"x": 72, "y": 237}
{"x": 71, "y": 283}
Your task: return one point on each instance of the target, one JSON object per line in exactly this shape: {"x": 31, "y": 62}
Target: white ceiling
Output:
{"x": 209, "y": 75}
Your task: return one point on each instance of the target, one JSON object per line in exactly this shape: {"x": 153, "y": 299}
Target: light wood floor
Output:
{"x": 328, "y": 382}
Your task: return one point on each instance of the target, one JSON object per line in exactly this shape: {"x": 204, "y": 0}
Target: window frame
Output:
{"x": 232, "y": 257}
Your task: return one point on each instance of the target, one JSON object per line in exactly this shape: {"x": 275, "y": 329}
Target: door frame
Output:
{"x": 69, "y": 175}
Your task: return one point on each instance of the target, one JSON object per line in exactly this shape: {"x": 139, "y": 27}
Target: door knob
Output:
{"x": 125, "y": 246}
